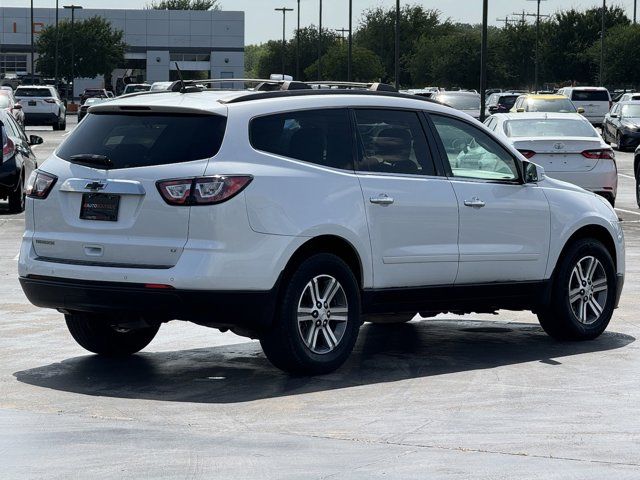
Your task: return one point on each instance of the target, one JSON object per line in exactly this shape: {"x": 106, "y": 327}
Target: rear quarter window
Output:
{"x": 141, "y": 140}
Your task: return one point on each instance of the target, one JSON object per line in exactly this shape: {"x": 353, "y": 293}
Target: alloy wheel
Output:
{"x": 322, "y": 315}
{"x": 588, "y": 290}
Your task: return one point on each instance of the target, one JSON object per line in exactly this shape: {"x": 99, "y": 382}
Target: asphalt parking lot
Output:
{"x": 451, "y": 397}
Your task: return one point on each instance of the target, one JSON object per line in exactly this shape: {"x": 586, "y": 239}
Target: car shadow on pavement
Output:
{"x": 384, "y": 353}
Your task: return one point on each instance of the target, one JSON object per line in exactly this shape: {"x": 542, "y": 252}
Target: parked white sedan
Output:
{"x": 566, "y": 145}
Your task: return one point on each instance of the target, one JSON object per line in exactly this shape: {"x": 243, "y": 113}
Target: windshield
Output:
{"x": 141, "y": 140}
{"x": 4, "y": 101}
{"x": 461, "y": 102}
{"x": 136, "y": 88}
{"x": 33, "y": 92}
{"x": 508, "y": 101}
{"x": 559, "y": 105}
{"x": 631, "y": 111}
{"x": 555, "y": 127}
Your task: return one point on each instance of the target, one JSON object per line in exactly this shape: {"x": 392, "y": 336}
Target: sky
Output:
{"x": 262, "y": 23}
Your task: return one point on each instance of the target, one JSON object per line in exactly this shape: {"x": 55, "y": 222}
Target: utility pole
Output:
{"x": 483, "y": 60}
{"x": 506, "y": 21}
{"x": 350, "y": 47}
{"x": 56, "y": 54}
{"x": 298, "y": 45}
{"x": 537, "y": 64}
{"x": 33, "y": 73}
{"x": 341, "y": 31}
{"x": 320, "y": 43}
{"x": 522, "y": 15}
{"x": 397, "y": 49}
{"x": 284, "y": 11}
{"x": 73, "y": 9}
{"x": 635, "y": 10}
{"x": 604, "y": 11}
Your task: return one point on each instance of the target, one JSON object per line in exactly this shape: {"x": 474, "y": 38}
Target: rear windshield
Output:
{"x": 461, "y": 102}
{"x": 549, "y": 128}
{"x": 33, "y": 92}
{"x": 590, "y": 96}
{"x": 559, "y": 105}
{"x": 141, "y": 140}
{"x": 508, "y": 101}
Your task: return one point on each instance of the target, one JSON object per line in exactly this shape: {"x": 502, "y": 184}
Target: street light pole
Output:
{"x": 320, "y": 43}
{"x": 284, "y": 11}
{"x": 73, "y": 9}
{"x": 604, "y": 9}
{"x": 298, "y": 46}
{"x": 483, "y": 60}
{"x": 350, "y": 47}
{"x": 33, "y": 73}
{"x": 397, "y": 49}
{"x": 56, "y": 54}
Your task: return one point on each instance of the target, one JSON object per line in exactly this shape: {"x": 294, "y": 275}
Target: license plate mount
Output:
{"x": 100, "y": 206}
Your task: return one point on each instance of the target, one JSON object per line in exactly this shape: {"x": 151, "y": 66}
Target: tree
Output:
{"x": 622, "y": 59}
{"x": 252, "y": 56}
{"x": 98, "y": 49}
{"x": 184, "y": 5}
{"x": 366, "y": 65}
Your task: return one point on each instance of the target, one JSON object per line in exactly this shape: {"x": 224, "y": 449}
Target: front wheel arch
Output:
{"x": 596, "y": 232}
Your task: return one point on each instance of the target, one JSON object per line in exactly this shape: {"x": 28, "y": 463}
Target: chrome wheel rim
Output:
{"x": 588, "y": 290}
{"x": 322, "y": 314}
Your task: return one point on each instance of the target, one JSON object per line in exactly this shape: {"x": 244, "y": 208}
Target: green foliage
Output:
{"x": 252, "y": 56}
{"x": 184, "y": 5}
{"x": 435, "y": 51}
{"x": 366, "y": 65}
{"x": 99, "y": 49}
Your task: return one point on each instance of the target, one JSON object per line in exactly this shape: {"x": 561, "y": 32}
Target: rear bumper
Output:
{"x": 40, "y": 118}
{"x": 251, "y": 310}
{"x": 602, "y": 179}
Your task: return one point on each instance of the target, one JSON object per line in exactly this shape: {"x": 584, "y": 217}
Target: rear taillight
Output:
{"x": 202, "y": 190}
{"x": 50, "y": 100}
{"x": 40, "y": 184}
{"x": 527, "y": 153}
{"x": 604, "y": 154}
{"x": 8, "y": 148}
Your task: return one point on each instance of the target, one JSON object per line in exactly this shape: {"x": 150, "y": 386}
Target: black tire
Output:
{"x": 56, "y": 126}
{"x": 558, "y": 319}
{"x": 389, "y": 318}
{"x": 284, "y": 345}
{"x": 17, "y": 198}
{"x": 63, "y": 125}
{"x": 619, "y": 140}
{"x": 94, "y": 332}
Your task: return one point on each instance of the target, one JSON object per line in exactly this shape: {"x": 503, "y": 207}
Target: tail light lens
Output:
{"x": 8, "y": 147}
{"x": 40, "y": 184}
{"x": 202, "y": 190}
{"x": 604, "y": 154}
{"x": 50, "y": 100}
{"x": 527, "y": 153}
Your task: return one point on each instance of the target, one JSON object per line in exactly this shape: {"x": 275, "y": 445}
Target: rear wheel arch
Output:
{"x": 331, "y": 244}
{"x": 636, "y": 163}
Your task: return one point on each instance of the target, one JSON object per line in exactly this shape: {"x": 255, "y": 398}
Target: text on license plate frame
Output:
{"x": 102, "y": 207}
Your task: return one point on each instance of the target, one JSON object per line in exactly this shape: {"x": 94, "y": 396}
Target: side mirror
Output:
{"x": 493, "y": 108}
{"x": 520, "y": 110}
{"x": 35, "y": 140}
{"x": 532, "y": 173}
{"x": 580, "y": 110}
{"x": 613, "y": 115}
{"x": 17, "y": 106}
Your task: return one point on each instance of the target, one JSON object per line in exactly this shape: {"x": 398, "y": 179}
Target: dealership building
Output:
{"x": 202, "y": 41}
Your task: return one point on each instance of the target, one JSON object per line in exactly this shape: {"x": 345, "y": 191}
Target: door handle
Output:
{"x": 475, "y": 202}
{"x": 382, "y": 199}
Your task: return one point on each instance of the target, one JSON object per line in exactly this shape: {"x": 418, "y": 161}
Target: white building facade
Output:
{"x": 204, "y": 41}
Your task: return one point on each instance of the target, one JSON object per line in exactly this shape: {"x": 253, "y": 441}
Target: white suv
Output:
{"x": 595, "y": 101}
{"x": 292, "y": 216}
{"x": 42, "y": 106}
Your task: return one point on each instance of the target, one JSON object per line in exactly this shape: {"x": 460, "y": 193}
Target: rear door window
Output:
{"x": 590, "y": 96}
{"x": 141, "y": 140}
{"x": 392, "y": 141}
{"x": 322, "y": 137}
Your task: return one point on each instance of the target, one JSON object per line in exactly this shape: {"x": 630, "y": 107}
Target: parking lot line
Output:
{"x": 626, "y": 176}
{"x": 627, "y": 211}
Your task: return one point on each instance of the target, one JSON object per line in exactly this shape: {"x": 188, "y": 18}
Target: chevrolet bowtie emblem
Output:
{"x": 95, "y": 186}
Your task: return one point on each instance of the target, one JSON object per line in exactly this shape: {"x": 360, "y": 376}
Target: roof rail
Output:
{"x": 314, "y": 91}
{"x": 374, "y": 87}
{"x": 262, "y": 84}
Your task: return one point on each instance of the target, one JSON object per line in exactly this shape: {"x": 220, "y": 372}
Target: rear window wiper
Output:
{"x": 91, "y": 160}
